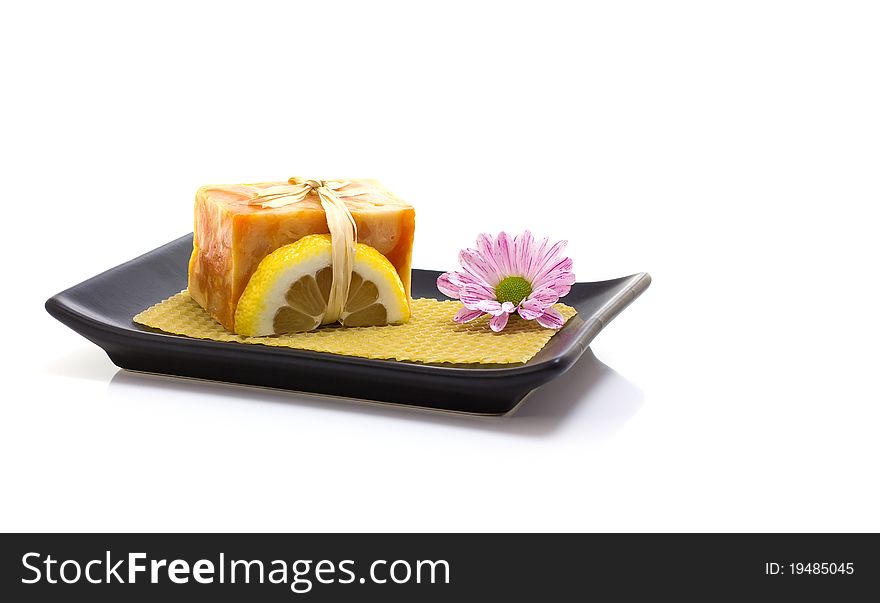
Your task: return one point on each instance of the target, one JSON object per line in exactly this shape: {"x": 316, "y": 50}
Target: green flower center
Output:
{"x": 513, "y": 289}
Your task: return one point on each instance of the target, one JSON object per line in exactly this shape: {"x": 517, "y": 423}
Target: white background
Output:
{"x": 729, "y": 149}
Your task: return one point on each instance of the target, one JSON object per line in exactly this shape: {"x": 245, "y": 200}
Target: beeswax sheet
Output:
{"x": 430, "y": 336}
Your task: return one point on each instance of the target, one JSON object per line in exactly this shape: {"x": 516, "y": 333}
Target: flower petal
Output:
{"x": 471, "y": 296}
{"x": 558, "y": 248}
{"x": 508, "y": 307}
{"x": 490, "y": 306}
{"x": 547, "y": 259}
{"x": 553, "y": 270}
{"x": 522, "y": 246}
{"x": 497, "y": 323}
{"x": 460, "y": 279}
{"x": 551, "y": 319}
{"x": 545, "y": 295}
{"x": 447, "y": 287}
{"x": 504, "y": 253}
{"x": 561, "y": 290}
{"x": 566, "y": 278}
{"x": 561, "y": 283}
{"x": 485, "y": 246}
{"x": 478, "y": 266}
{"x": 532, "y": 309}
{"x": 538, "y": 250}
{"x": 465, "y": 315}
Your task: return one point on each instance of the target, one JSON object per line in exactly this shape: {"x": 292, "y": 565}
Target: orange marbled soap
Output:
{"x": 231, "y": 236}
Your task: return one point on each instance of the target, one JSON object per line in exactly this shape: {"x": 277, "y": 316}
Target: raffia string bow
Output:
{"x": 343, "y": 230}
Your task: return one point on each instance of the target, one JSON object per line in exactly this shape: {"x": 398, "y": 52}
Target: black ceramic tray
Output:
{"x": 102, "y": 307}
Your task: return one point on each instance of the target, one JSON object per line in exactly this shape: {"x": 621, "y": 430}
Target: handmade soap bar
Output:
{"x": 232, "y": 235}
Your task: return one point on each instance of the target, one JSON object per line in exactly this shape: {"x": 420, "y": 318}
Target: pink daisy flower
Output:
{"x": 504, "y": 275}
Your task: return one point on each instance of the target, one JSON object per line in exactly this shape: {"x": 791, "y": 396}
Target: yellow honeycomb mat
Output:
{"x": 430, "y": 336}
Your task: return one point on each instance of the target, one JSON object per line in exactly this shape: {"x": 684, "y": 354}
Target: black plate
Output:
{"x": 102, "y": 307}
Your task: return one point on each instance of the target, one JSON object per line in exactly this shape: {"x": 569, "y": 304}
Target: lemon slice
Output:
{"x": 288, "y": 292}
